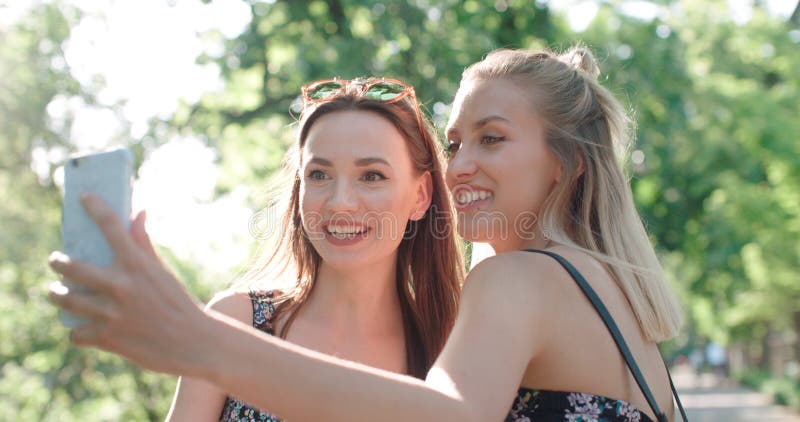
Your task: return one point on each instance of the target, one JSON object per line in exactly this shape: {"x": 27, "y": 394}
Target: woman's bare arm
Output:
{"x": 143, "y": 313}
{"x": 197, "y": 399}
{"x": 474, "y": 379}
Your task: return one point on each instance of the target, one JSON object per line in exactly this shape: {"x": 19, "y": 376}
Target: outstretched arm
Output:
{"x": 474, "y": 379}
{"x": 197, "y": 399}
{"x": 142, "y": 312}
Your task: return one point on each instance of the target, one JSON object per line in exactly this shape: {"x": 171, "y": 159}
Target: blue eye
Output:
{"x": 373, "y": 176}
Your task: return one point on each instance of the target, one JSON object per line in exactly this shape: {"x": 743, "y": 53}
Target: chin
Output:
{"x": 345, "y": 260}
{"x": 481, "y": 230}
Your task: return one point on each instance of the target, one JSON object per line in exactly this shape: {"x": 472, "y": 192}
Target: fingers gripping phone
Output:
{"x": 108, "y": 175}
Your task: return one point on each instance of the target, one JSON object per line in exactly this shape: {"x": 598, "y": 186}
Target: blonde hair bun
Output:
{"x": 582, "y": 59}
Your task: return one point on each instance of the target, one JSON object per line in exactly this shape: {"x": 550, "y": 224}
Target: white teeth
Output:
{"x": 343, "y": 236}
{"x": 466, "y": 198}
{"x": 344, "y": 230}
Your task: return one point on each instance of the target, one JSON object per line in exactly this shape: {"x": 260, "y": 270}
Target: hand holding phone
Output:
{"x": 108, "y": 175}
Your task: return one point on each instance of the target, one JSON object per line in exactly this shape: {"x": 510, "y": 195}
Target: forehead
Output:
{"x": 354, "y": 133}
{"x": 478, "y": 98}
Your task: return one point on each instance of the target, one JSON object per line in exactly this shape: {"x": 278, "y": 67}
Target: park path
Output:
{"x": 708, "y": 398}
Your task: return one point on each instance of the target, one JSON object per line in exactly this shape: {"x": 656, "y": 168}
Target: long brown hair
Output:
{"x": 591, "y": 208}
{"x": 430, "y": 266}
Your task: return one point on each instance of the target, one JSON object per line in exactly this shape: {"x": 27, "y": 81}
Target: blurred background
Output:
{"x": 203, "y": 92}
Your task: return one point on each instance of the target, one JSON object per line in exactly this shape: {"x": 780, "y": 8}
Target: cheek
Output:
{"x": 311, "y": 196}
{"x": 384, "y": 201}
{"x": 519, "y": 181}
{"x": 448, "y": 175}
{"x": 388, "y": 212}
{"x": 305, "y": 200}
{"x": 310, "y": 211}
{"x": 532, "y": 187}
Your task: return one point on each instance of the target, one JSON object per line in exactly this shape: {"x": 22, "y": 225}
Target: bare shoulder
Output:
{"x": 233, "y": 303}
{"x": 513, "y": 278}
{"x": 513, "y": 293}
{"x": 578, "y": 258}
{"x": 517, "y": 269}
{"x": 595, "y": 272}
{"x": 534, "y": 276}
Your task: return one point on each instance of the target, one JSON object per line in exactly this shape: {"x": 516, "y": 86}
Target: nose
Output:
{"x": 342, "y": 196}
{"x": 462, "y": 166}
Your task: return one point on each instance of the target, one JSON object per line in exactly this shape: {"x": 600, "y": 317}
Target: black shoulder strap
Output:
{"x": 616, "y": 335}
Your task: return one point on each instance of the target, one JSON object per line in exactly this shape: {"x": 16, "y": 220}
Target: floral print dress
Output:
{"x": 235, "y": 409}
{"x": 550, "y": 406}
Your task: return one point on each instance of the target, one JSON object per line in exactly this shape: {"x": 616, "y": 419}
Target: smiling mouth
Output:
{"x": 466, "y": 198}
{"x": 345, "y": 232}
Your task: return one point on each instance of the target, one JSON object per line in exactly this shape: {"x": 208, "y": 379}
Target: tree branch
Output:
{"x": 337, "y": 13}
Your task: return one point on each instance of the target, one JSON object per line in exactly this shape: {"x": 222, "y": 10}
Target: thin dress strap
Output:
{"x": 616, "y": 335}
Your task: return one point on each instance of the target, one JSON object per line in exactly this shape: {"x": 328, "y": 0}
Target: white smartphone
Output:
{"x": 108, "y": 175}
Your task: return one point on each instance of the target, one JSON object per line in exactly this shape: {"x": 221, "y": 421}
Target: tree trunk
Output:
{"x": 797, "y": 327}
{"x": 777, "y": 353}
{"x": 765, "y": 358}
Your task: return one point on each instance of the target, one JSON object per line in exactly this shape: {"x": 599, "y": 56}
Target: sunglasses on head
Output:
{"x": 383, "y": 90}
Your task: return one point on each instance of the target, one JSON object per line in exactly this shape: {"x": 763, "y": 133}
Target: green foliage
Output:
{"x": 785, "y": 391}
{"x": 716, "y": 175}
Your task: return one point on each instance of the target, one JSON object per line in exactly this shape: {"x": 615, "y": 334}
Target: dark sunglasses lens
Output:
{"x": 384, "y": 91}
{"x": 324, "y": 90}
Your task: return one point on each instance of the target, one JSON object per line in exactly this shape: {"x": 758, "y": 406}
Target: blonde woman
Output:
{"x": 561, "y": 323}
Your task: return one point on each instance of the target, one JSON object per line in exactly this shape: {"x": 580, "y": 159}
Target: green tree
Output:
{"x": 714, "y": 171}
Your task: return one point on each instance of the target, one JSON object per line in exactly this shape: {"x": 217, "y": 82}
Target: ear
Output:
{"x": 560, "y": 168}
{"x": 424, "y": 196}
{"x": 581, "y": 166}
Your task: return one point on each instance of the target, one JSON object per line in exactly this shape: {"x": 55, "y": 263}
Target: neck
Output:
{"x": 481, "y": 251}
{"x": 364, "y": 300}
{"x": 514, "y": 244}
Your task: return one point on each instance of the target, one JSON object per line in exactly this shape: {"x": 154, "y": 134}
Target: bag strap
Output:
{"x": 616, "y": 335}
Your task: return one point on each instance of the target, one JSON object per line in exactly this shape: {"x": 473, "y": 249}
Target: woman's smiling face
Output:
{"x": 500, "y": 169}
{"x": 358, "y": 188}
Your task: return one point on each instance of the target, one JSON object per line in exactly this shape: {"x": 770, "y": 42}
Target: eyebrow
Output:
{"x": 481, "y": 123}
{"x": 361, "y": 162}
{"x": 320, "y": 161}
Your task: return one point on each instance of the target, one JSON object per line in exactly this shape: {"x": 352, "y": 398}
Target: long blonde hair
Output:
{"x": 430, "y": 266}
{"x": 591, "y": 208}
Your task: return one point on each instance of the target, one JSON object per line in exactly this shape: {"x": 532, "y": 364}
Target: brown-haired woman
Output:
{"x": 365, "y": 259}
{"x": 560, "y": 324}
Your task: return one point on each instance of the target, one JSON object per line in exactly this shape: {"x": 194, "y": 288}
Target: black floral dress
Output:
{"x": 235, "y": 409}
{"x": 550, "y": 406}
